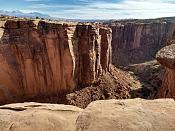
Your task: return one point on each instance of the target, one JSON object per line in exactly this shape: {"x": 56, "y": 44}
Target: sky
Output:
{"x": 94, "y": 9}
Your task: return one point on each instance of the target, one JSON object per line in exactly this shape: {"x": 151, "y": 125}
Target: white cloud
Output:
{"x": 111, "y": 10}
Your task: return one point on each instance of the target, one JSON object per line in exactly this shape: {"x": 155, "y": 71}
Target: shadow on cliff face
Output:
{"x": 153, "y": 76}
{"x": 150, "y": 75}
{"x": 135, "y": 43}
{"x": 127, "y": 57}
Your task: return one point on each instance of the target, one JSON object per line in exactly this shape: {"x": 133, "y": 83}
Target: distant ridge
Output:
{"x": 26, "y": 15}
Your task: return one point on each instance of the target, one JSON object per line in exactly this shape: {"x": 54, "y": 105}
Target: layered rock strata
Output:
{"x": 137, "y": 42}
{"x": 39, "y": 58}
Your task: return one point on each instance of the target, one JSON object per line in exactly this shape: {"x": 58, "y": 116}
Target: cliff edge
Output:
{"x": 41, "y": 58}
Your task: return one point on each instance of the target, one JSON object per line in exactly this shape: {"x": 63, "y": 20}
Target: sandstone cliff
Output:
{"x": 39, "y": 58}
{"x": 113, "y": 115}
{"x": 137, "y": 42}
{"x": 166, "y": 56}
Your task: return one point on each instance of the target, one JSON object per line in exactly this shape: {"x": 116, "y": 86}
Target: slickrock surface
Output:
{"x": 109, "y": 115}
{"x": 166, "y": 57}
{"x": 128, "y": 115}
{"x": 38, "y": 117}
{"x": 39, "y": 58}
{"x": 137, "y": 42}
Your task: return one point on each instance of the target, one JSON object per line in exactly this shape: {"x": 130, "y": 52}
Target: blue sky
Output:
{"x": 94, "y": 9}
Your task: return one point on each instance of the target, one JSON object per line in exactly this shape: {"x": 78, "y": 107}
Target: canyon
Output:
{"x": 138, "y": 41}
{"x": 75, "y": 63}
{"x": 73, "y": 73}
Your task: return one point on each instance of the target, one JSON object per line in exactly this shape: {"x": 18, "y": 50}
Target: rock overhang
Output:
{"x": 166, "y": 56}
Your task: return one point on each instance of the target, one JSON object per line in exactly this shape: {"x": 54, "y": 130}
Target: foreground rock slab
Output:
{"x": 38, "y": 117}
{"x": 106, "y": 115}
{"x": 128, "y": 115}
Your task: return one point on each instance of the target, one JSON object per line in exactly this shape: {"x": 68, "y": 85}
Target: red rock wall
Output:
{"x": 166, "y": 57}
{"x": 42, "y": 59}
{"x": 94, "y": 53}
{"x": 167, "y": 89}
{"x": 134, "y": 43}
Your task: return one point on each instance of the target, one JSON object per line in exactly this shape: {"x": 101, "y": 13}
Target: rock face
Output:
{"x": 166, "y": 56}
{"x": 39, "y": 58}
{"x": 113, "y": 115}
{"x": 128, "y": 115}
{"x": 137, "y": 42}
{"x": 38, "y": 117}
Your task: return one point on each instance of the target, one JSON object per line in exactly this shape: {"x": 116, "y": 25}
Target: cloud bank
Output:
{"x": 103, "y": 9}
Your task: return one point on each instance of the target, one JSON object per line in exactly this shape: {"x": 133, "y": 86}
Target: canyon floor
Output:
{"x": 134, "y": 81}
{"x": 148, "y": 77}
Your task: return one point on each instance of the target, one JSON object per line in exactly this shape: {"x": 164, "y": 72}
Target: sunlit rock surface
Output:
{"x": 113, "y": 115}
{"x": 40, "y": 58}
